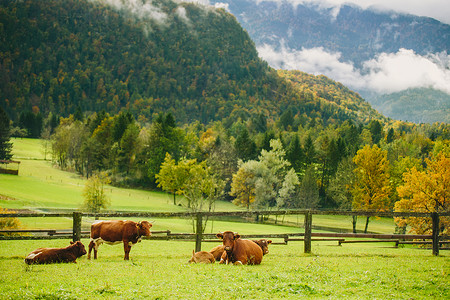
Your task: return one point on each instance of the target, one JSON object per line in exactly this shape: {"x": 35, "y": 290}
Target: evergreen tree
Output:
{"x": 295, "y": 154}
{"x": 268, "y": 136}
{"x": 376, "y": 130}
{"x": 5, "y": 143}
{"x": 245, "y": 146}
{"x": 310, "y": 151}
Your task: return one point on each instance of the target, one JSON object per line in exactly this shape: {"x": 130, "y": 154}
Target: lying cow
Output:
{"x": 239, "y": 251}
{"x": 202, "y": 257}
{"x": 218, "y": 250}
{"x": 116, "y": 232}
{"x": 264, "y": 244}
{"x": 56, "y": 255}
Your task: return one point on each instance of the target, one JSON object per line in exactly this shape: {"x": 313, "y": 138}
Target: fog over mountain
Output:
{"x": 376, "y": 49}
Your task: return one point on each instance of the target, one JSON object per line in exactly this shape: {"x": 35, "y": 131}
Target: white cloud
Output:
{"x": 181, "y": 12}
{"x": 387, "y": 73}
{"x": 437, "y": 9}
{"x": 141, "y": 9}
{"x": 202, "y": 2}
{"x": 222, "y": 5}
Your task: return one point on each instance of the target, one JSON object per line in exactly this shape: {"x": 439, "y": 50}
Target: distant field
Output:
{"x": 159, "y": 270}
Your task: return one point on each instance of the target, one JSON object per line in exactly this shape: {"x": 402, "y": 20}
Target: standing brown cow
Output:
{"x": 239, "y": 251}
{"x": 56, "y": 255}
{"x": 116, "y": 232}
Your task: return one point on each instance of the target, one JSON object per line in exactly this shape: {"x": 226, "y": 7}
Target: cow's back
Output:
{"x": 110, "y": 230}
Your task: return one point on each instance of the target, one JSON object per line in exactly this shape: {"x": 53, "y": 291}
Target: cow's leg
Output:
{"x": 91, "y": 245}
{"x": 94, "y": 245}
{"x": 126, "y": 249}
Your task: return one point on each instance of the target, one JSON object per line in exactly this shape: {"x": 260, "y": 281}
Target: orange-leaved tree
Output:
{"x": 372, "y": 186}
{"x": 426, "y": 191}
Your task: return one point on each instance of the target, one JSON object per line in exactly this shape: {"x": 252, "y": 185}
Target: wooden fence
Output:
{"x": 200, "y": 237}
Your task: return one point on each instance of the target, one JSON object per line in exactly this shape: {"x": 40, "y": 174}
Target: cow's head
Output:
{"x": 144, "y": 228}
{"x": 79, "y": 248}
{"x": 264, "y": 244}
{"x": 228, "y": 238}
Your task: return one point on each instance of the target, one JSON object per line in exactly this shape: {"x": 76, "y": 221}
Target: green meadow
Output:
{"x": 159, "y": 269}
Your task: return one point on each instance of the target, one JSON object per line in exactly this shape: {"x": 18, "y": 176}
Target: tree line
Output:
{"x": 330, "y": 167}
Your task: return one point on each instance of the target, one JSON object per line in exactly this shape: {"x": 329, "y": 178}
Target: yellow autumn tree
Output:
{"x": 243, "y": 188}
{"x": 426, "y": 191}
{"x": 94, "y": 194}
{"x": 372, "y": 186}
{"x": 8, "y": 223}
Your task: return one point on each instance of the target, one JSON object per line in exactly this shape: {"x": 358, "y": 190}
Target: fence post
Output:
{"x": 76, "y": 226}
{"x": 198, "y": 234}
{"x": 435, "y": 233}
{"x": 308, "y": 225}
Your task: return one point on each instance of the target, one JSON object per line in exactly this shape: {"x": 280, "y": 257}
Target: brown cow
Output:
{"x": 239, "y": 251}
{"x": 218, "y": 250}
{"x": 116, "y": 232}
{"x": 56, "y": 255}
{"x": 202, "y": 257}
{"x": 264, "y": 244}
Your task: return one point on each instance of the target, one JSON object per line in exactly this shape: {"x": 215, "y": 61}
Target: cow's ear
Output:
{"x": 72, "y": 243}
{"x": 269, "y": 242}
{"x": 236, "y": 236}
{"x": 220, "y": 236}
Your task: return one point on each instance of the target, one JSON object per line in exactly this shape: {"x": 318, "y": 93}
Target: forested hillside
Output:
{"x": 424, "y": 105}
{"x": 64, "y": 57}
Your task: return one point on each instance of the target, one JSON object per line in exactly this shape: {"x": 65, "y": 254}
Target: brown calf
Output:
{"x": 115, "y": 232}
{"x": 202, "y": 257}
{"x": 56, "y": 255}
{"x": 239, "y": 251}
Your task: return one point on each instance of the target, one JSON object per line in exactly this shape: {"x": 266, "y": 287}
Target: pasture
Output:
{"x": 159, "y": 270}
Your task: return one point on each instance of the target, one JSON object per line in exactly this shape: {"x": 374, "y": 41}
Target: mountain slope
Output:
{"x": 414, "y": 105}
{"x": 357, "y": 34}
{"x": 161, "y": 56}
{"x": 377, "y": 53}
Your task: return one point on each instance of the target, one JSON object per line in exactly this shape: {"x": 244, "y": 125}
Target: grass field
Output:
{"x": 159, "y": 270}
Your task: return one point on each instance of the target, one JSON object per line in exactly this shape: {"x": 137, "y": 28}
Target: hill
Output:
{"x": 64, "y": 57}
{"x": 381, "y": 54}
{"x": 420, "y": 105}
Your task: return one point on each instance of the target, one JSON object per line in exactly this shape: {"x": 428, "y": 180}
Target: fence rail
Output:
{"x": 200, "y": 237}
